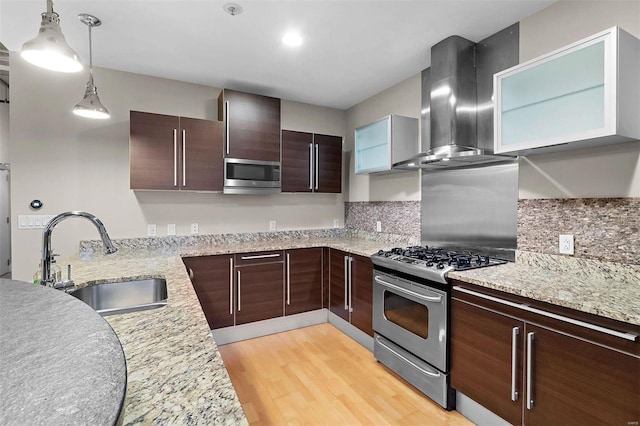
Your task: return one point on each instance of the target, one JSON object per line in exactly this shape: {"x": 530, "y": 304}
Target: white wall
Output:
{"x": 611, "y": 171}
{"x": 4, "y": 132}
{"x": 72, "y": 163}
{"x": 403, "y": 98}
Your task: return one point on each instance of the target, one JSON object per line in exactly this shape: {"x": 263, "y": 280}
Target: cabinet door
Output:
{"x": 260, "y": 292}
{"x": 297, "y": 170}
{"x": 202, "y": 159}
{"x": 328, "y": 167}
{"x": 372, "y": 147}
{"x": 338, "y": 298}
{"x": 211, "y": 277}
{"x": 253, "y": 125}
{"x": 153, "y": 151}
{"x": 575, "y": 382}
{"x": 362, "y": 293}
{"x": 304, "y": 280}
{"x": 482, "y": 355}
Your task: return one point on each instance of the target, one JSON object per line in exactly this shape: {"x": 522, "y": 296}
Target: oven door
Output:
{"x": 413, "y": 316}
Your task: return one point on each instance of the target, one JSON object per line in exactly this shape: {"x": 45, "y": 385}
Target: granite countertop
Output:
{"x": 175, "y": 372}
{"x": 61, "y": 362}
{"x": 607, "y": 289}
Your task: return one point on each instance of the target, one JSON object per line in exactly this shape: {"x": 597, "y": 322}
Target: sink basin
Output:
{"x": 124, "y": 296}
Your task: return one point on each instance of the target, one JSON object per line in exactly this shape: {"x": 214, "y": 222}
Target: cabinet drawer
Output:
{"x": 253, "y": 258}
{"x": 602, "y": 331}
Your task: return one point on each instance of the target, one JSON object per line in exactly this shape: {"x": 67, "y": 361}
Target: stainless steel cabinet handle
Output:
{"x": 530, "y": 337}
{"x": 288, "y": 280}
{"x": 408, "y": 361}
{"x": 226, "y": 124}
{"x": 260, "y": 256}
{"x": 350, "y": 286}
{"x": 346, "y": 283}
{"x": 238, "y": 291}
{"x": 184, "y": 157}
{"x": 317, "y": 167}
{"x": 434, "y": 299}
{"x": 231, "y": 286}
{"x": 620, "y": 334}
{"x": 514, "y": 360}
{"x": 175, "y": 157}
{"x": 311, "y": 166}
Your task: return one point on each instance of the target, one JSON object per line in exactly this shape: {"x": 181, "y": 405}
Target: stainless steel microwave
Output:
{"x": 251, "y": 176}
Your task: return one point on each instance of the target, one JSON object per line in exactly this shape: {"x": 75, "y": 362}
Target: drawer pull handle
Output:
{"x": 529, "y": 371}
{"x": 610, "y": 332}
{"x": 260, "y": 256}
{"x": 514, "y": 359}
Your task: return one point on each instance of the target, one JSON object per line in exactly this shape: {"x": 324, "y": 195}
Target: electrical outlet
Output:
{"x": 378, "y": 226}
{"x": 566, "y": 244}
{"x": 194, "y": 228}
{"x": 336, "y": 223}
{"x": 171, "y": 229}
{"x": 151, "y": 230}
{"x": 272, "y": 225}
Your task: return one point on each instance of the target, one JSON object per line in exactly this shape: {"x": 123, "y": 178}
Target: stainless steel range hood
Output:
{"x": 457, "y": 109}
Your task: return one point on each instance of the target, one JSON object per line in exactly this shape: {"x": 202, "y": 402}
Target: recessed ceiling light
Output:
{"x": 292, "y": 39}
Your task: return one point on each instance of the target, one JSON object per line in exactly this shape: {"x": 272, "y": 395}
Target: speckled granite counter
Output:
{"x": 175, "y": 373}
{"x": 61, "y": 363}
{"x": 608, "y": 289}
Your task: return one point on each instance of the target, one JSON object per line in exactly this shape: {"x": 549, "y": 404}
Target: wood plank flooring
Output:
{"x": 319, "y": 376}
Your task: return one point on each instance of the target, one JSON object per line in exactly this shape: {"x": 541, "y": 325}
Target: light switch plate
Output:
{"x": 34, "y": 221}
{"x": 378, "y": 226}
{"x": 151, "y": 230}
{"x": 171, "y": 229}
{"x": 194, "y": 228}
{"x": 272, "y": 225}
{"x": 336, "y": 223}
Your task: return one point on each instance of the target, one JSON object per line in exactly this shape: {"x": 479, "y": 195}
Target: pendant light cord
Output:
{"x": 90, "y": 52}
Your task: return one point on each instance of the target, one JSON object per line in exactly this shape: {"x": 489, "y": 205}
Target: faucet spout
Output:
{"x": 46, "y": 241}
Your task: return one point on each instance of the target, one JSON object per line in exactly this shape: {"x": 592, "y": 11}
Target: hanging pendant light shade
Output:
{"x": 50, "y": 49}
{"x": 90, "y": 106}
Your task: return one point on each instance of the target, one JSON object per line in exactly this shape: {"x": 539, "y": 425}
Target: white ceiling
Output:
{"x": 351, "y": 51}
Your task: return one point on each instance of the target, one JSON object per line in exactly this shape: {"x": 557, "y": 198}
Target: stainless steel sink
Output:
{"x": 124, "y": 296}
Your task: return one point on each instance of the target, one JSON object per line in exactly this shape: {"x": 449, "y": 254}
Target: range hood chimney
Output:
{"x": 456, "y": 132}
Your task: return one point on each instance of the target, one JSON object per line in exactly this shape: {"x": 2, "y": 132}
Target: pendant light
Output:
{"x": 50, "y": 49}
{"x": 90, "y": 106}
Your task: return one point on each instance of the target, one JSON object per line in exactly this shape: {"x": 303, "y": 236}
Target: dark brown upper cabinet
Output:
{"x": 175, "y": 153}
{"x": 252, "y": 125}
{"x": 311, "y": 162}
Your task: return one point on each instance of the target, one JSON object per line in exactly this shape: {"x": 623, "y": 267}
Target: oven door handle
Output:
{"x": 408, "y": 361}
{"x": 433, "y": 299}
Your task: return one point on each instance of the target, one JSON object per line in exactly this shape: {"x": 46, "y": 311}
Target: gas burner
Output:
{"x": 431, "y": 262}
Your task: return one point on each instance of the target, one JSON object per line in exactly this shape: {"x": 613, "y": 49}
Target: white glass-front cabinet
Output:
{"x": 585, "y": 94}
{"x": 381, "y": 144}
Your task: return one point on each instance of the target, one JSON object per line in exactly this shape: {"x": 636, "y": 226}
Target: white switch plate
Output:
{"x": 194, "y": 228}
{"x": 151, "y": 230}
{"x": 37, "y": 221}
{"x": 378, "y": 226}
{"x": 272, "y": 225}
{"x": 171, "y": 229}
{"x": 565, "y": 245}
{"x": 336, "y": 223}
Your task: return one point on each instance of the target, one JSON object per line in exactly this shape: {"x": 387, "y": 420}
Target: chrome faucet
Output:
{"x": 47, "y": 254}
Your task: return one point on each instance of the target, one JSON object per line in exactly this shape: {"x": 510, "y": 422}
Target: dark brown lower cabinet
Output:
{"x": 212, "y": 278}
{"x": 534, "y": 369}
{"x": 260, "y": 292}
{"x": 303, "y": 280}
{"x": 351, "y": 289}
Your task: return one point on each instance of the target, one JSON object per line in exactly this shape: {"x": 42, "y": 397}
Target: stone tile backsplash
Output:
{"x": 396, "y": 217}
{"x": 605, "y": 229}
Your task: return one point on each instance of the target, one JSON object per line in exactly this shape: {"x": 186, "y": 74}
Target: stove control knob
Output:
{"x": 440, "y": 266}
{"x": 429, "y": 264}
{"x": 380, "y": 252}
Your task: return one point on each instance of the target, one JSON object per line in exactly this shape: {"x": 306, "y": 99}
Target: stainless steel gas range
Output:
{"x": 411, "y": 299}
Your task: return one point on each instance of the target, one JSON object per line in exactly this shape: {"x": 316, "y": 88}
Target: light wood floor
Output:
{"x": 319, "y": 376}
